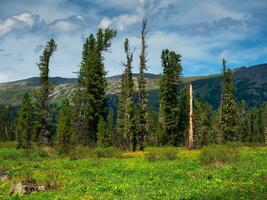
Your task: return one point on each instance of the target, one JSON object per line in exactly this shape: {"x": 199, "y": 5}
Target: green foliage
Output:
{"x": 228, "y": 109}
{"x": 113, "y": 178}
{"x": 64, "y": 127}
{"x": 169, "y": 94}
{"x": 25, "y": 124}
{"x": 6, "y": 124}
{"x": 142, "y": 100}
{"x": 106, "y": 152}
{"x": 42, "y": 109}
{"x": 217, "y": 155}
{"x": 125, "y": 118}
{"x": 89, "y": 97}
{"x": 103, "y": 139}
{"x": 111, "y": 127}
{"x": 161, "y": 155}
{"x": 202, "y": 124}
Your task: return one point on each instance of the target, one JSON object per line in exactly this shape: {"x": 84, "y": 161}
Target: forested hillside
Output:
{"x": 251, "y": 86}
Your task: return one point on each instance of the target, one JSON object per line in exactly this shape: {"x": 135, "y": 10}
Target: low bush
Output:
{"x": 81, "y": 152}
{"x": 216, "y": 155}
{"x": 161, "y": 155}
{"x": 52, "y": 180}
{"x": 7, "y": 144}
{"x": 12, "y": 154}
{"x": 107, "y": 152}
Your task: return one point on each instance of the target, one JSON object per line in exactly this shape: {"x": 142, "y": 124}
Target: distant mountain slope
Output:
{"x": 251, "y": 85}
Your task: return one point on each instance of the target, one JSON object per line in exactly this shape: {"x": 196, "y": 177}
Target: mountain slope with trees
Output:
{"x": 251, "y": 85}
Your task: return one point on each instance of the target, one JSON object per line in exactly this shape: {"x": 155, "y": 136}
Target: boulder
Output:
{"x": 3, "y": 174}
{"x": 26, "y": 188}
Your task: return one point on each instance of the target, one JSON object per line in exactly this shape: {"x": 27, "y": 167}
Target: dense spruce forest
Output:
{"x": 134, "y": 122}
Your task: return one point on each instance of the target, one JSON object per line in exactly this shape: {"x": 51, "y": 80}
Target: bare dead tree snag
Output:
{"x": 190, "y": 135}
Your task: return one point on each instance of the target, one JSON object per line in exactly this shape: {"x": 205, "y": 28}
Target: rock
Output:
{"x": 3, "y": 177}
{"x": 18, "y": 189}
{"x": 3, "y": 174}
{"x": 26, "y": 188}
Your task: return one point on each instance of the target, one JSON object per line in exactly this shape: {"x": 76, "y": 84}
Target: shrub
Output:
{"x": 99, "y": 152}
{"x": 216, "y": 155}
{"x": 7, "y": 144}
{"x": 52, "y": 180}
{"x": 161, "y": 155}
{"x": 79, "y": 152}
{"x": 12, "y": 154}
{"x": 107, "y": 152}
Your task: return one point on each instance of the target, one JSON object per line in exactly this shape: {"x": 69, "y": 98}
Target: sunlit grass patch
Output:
{"x": 215, "y": 155}
{"x": 161, "y": 154}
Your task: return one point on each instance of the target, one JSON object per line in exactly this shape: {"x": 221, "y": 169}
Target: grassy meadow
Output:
{"x": 157, "y": 173}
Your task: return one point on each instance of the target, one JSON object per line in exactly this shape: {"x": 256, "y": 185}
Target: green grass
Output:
{"x": 133, "y": 176}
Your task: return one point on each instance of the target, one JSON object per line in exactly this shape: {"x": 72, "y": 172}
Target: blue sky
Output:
{"x": 202, "y": 31}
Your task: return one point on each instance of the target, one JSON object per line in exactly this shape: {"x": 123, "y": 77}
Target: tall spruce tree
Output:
{"x": 142, "y": 101}
{"x": 103, "y": 137}
{"x": 265, "y": 121}
{"x": 89, "y": 98}
{"x": 125, "y": 121}
{"x": 243, "y": 121}
{"x": 64, "y": 127}
{"x": 169, "y": 95}
{"x": 202, "y": 124}
{"x": 111, "y": 126}
{"x": 25, "y": 123}
{"x": 6, "y": 124}
{"x": 228, "y": 109}
{"x": 42, "y": 95}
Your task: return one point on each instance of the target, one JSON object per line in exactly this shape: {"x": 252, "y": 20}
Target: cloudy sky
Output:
{"x": 202, "y": 31}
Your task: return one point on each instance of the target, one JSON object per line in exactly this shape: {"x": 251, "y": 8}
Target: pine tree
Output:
{"x": 202, "y": 123}
{"x": 64, "y": 127}
{"x": 111, "y": 126}
{"x": 262, "y": 123}
{"x": 103, "y": 136}
{"x": 25, "y": 129}
{"x": 215, "y": 128}
{"x": 152, "y": 124}
{"x": 169, "y": 95}
{"x": 89, "y": 99}
{"x": 42, "y": 95}
{"x": 125, "y": 122}
{"x": 142, "y": 101}
{"x": 6, "y": 124}
{"x": 228, "y": 112}
{"x": 243, "y": 121}
{"x": 121, "y": 139}
{"x": 161, "y": 133}
{"x": 264, "y": 107}
{"x": 183, "y": 117}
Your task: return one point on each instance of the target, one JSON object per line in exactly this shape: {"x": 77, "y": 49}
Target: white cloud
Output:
{"x": 26, "y": 18}
{"x": 63, "y": 25}
{"x": 105, "y": 22}
{"x": 120, "y": 22}
{"x": 3, "y": 77}
{"x": 21, "y": 22}
{"x": 72, "y": 23}
{"x": 6, "y": 26}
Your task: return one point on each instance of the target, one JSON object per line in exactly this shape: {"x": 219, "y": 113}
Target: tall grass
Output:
{"x": 161, "y": 155}
{"x": 216, "y": 154}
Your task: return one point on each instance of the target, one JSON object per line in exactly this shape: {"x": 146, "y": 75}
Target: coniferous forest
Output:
{"x": 84, "y": 148}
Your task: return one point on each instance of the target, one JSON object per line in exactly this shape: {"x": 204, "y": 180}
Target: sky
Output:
{"x": 202, "y": 31}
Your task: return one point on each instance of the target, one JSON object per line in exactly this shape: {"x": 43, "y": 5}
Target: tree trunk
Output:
{"x": 190, "y": 135}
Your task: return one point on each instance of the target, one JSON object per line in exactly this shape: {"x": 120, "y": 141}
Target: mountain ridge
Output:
{"x": 251, "y": 85}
